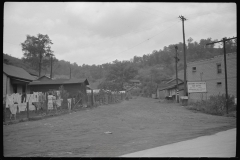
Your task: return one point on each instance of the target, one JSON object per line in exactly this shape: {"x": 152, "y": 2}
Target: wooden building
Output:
{"x": 15, "y": 80}
{"x": 168, "y": 90}
{"x": 72, "y": 86}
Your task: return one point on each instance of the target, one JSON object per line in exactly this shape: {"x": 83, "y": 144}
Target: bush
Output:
{"x": 215, "y": 105}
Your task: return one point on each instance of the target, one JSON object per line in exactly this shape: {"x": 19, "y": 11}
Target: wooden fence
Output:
{"x": 37, "y": 110}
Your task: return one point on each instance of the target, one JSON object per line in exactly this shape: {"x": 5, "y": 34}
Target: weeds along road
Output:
{"x": 137, "y": 124}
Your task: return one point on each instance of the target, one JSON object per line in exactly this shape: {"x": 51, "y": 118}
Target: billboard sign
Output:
{"x": 196, "y": 87}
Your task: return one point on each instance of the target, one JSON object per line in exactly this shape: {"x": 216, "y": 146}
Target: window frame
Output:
{"x": 219, "y": 68}
{"x": 194, "y": 69}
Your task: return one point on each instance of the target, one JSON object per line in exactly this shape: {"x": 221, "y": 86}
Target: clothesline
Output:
{"x": 20, "y": 100}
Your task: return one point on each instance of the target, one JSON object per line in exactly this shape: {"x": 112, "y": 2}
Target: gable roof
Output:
{"x": 179, "y": 80}
{"x": 17, "y": 72}
{"x": 60, "y": 81}
{"x": 44, "y": 76}
{"x": 169, "y": 86}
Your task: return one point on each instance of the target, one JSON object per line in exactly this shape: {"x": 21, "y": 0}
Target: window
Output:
{"x": 194, "y": 69}
{"x": 219, "y": 69}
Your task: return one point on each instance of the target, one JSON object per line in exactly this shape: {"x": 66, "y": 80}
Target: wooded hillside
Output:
{"x": 150, "y": 68}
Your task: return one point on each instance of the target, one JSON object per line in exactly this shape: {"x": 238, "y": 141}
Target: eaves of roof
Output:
{"x": 60, "y": 81}
{"x": 171, "y": 86}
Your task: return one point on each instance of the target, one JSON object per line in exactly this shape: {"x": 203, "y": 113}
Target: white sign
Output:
{"x": 184, "y": 97}
{"x": 194, "y": 87}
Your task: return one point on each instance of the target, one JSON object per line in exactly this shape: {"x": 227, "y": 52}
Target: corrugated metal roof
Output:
{"x": 17, "y": 72}
{"x": 60, "y": 81}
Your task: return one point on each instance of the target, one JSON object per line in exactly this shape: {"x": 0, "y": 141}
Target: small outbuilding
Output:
{"x": 72, "y": 86}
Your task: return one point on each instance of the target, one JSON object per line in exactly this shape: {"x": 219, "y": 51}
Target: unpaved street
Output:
{"x": 135, "y": 125}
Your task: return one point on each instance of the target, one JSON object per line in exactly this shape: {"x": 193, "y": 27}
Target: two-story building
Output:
{"x": 212, "y": 72}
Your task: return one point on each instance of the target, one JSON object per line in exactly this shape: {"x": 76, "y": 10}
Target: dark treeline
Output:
{"x": 150, "y": 68}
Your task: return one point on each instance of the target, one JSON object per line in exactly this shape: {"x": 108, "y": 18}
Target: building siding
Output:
{"x": 71, "y": 88}
{"x": 206, "y": 70}
{"x": 7, "y": 88}
{"x": 162, "y": 94}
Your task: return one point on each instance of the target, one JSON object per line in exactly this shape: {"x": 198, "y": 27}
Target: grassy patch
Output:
{"x": 215, "y": 105}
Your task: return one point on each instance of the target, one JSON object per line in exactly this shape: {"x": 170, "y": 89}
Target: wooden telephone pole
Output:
{"x": 185, "y": 64}
{"x": 51, "y": 67}
{"x": 177, "y": 59}
{"x": 225, "y": 67}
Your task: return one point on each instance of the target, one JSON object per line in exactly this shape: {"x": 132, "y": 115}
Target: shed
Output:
{"x": 72, "y": 86}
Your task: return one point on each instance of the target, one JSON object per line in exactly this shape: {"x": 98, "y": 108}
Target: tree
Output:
{"x": 110, "y": 85}
{"x": 37, "y": 50}
{"x": 121, "y": 72}
{"x": 6, "y": 61}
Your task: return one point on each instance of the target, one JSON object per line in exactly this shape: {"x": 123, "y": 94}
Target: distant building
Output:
{"x": 167, "y": 90}
{"x": 212, "y": 72}
{"x": 15, "y": 80}
{"x": 134, "y": 82}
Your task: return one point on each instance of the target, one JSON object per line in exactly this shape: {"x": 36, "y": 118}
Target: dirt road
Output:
{"x": 135, "y": 125}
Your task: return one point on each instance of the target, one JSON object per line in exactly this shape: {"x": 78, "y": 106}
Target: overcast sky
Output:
{"x": 101, "y": 32}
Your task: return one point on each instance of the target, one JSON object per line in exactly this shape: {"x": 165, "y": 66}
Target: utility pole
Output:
{"x": 51, "y": 67}
{"x": 225, "y": 67}
{"x": 70, "y": 71}
{"x": 185, "y": 64}
{"x": 201, "y": 81}
{"x": 177, "y": 74}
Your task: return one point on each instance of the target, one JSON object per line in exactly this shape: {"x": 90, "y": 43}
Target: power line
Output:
{"x": 189, "y": 15}
{"x": 156, "y": 10}
{"x": 140, "y": 42}
{"x": 134, "y": 31}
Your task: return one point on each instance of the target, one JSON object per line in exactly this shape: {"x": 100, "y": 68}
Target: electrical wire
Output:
{"x": 156, "y": 10}
{"x": 141, "y": 42}
{"x": 151, "y": 24}
{"x": 135, "y": 31}
{"x": 157, "y": 34}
